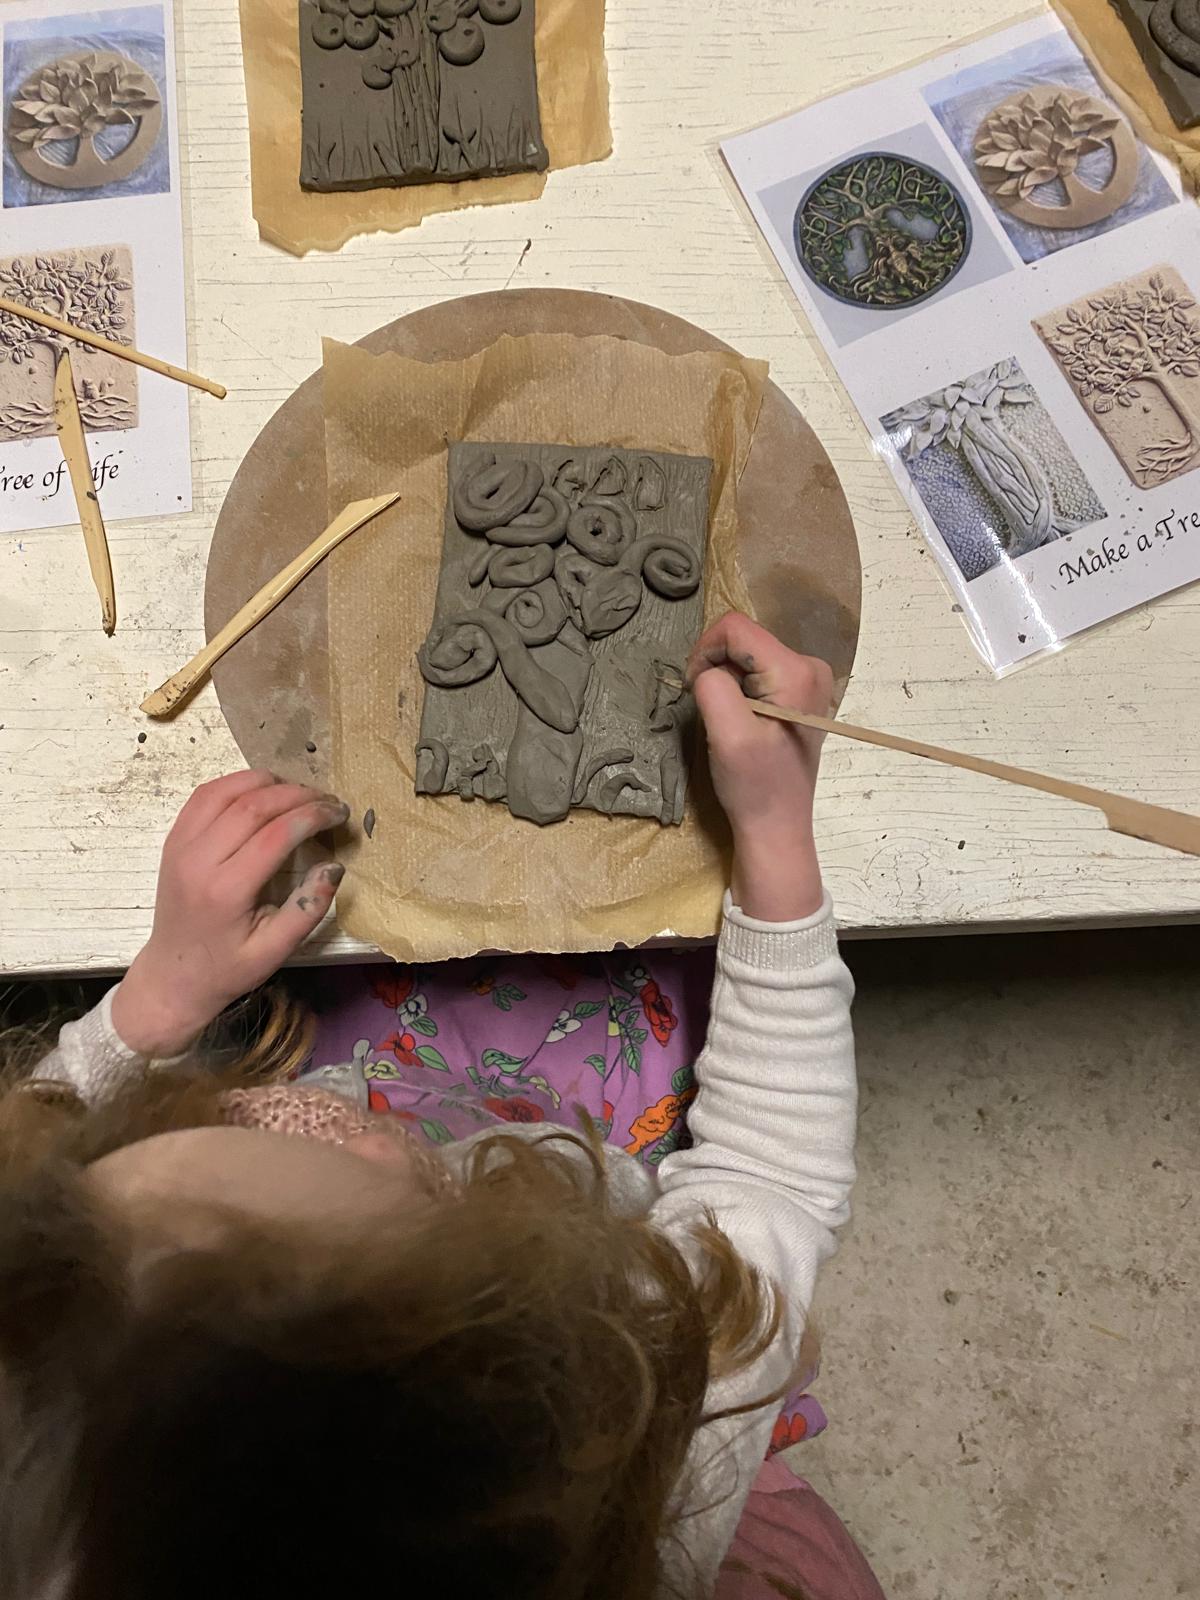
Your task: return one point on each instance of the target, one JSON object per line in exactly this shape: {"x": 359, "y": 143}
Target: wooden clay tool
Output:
{"x": 1174, "y": 830}
{"x": 126, "y": 352}
{"x": 71, "y": 438}
{"x": 176, "y": 689}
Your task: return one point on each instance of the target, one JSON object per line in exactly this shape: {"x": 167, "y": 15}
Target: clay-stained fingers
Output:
{"x": 206, "y": 803}
{"x": 733, "y": 640}
{"x": 248, "y": 870}
{"x": 252, "y": 811}
{"x": 282, "y": 929}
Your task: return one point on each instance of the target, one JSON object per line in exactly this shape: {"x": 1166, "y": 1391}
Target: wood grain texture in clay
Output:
{"x": 417, "y": 91}
{"x": 1131, "y": 352}
{"x": 571, "y": 585}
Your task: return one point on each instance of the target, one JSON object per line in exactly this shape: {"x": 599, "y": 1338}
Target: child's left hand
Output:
{"x": 213, "y": 940}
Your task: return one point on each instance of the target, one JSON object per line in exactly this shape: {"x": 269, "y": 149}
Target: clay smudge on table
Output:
{"x": 417, "y": 91}
{"x": 571, "y": 585}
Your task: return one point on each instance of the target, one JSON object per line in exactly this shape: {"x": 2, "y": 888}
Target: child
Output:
{"x": 519, "y": 1364}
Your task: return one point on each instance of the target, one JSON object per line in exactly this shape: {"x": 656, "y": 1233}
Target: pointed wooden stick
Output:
{"x": 71, "y": 437}
{"x": 1174, "y": 830}
{"x": 176, "y": 689}
{"x": 125, "y": 351}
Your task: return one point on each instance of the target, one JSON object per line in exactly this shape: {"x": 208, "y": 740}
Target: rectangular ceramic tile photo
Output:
{"x": 1131, "y": 352}
{"x": 93, "y": 289}
{"x": 1045, "y": 446}
{"x": 92, "y": 234}
{"x": 1055, "y": 158}
{"x": 994, "y": 472}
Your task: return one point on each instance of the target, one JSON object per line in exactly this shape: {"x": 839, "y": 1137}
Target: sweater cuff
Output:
{"x": 779, "y": 946}
{"x": 100, "y": 1037}
{"x": 90, "y": 1054}
{"x": 91, "y": 1057}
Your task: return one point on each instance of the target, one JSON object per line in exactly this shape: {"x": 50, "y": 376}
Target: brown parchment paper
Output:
{"x": 442, "y": 877}
{"x": 572, "y": 94}
{"x": 1101, "y": 34}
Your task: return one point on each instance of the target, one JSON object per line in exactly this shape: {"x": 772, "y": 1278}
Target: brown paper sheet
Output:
{"x": 1101, "y": 34}
{"x": 442, "y": 877}
{"x": 572, "y": 93}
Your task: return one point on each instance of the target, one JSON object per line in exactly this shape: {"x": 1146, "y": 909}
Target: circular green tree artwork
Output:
{"x": 882, "y": 231}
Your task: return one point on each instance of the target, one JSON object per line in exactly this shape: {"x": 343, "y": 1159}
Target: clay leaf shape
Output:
{"x": 651, "y": 491}
{"x": 612, "y": 478}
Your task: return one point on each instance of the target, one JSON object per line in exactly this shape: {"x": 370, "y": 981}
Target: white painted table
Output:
{"x": 907, "y": 847}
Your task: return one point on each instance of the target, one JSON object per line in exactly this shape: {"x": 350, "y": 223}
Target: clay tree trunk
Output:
{"x": 1015, "y": 480}
{"x": 1178, "y": 402}
{"x": 416, "y": 91}
{"x": 543, "y": 761}
{"x": 33, "y": 416}
{"x": 1172, "y": 453}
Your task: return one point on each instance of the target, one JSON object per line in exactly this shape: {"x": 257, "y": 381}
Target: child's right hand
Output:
{"x": 764, "y": 771}
{"x": 213, "y": 939}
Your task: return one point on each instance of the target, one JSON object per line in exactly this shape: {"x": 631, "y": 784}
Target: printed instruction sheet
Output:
{"x": 1005, "y": 279}
{"x": 91, "y": 232}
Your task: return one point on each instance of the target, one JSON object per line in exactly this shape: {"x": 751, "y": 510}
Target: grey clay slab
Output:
{"x": 417, "y": 91}
{"x": 554, "y": 628}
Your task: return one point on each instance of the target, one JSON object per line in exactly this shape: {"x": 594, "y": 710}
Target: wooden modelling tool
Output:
{"x": 1174, "y": 830}
{"x": 71, "y": 438}
{"x": 176, "y": 689}
{"x": 124, "y": 351}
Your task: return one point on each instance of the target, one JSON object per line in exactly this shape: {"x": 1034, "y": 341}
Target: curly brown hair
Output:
{"x": 495, "y": 1395}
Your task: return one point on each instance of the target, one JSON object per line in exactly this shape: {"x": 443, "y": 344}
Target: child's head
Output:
{"x": 237, "y": 1362}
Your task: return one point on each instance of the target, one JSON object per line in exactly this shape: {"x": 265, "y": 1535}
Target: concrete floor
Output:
{"x": 1010, "y": 1328}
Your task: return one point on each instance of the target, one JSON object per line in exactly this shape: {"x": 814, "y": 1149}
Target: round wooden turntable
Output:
{"x": 798, "y": 550}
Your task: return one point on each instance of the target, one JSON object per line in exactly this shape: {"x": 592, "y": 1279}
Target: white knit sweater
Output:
{"x": 772, "y": 1159}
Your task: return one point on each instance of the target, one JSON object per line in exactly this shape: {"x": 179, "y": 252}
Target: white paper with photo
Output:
{"x": 91, "y": 231}
{"x": 1039, "y": 527}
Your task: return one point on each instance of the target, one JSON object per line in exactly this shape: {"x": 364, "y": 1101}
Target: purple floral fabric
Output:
{"x": 463, "y": 1045}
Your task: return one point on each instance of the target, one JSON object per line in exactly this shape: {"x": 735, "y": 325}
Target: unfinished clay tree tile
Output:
{"x": 417, "y": 91}
{"x": 1131, "y": 352}
{"x": 1036, "y": 139}
{"x": 569, "y": 594}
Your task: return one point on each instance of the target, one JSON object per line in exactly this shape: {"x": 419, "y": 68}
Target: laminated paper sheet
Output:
{"x": 443, "y": 877}
{"x": 572, "y": 94}
{"x": 1099, "y": 30}
{"x": 925, "y": 360}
